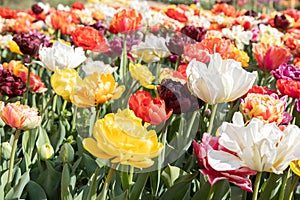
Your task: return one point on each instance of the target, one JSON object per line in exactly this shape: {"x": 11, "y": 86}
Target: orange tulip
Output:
{"x": 20, "y": 116}
{"x": 126, "y": 21}
{"x": 269, "y": 57}
{"x": 90, "y": 39}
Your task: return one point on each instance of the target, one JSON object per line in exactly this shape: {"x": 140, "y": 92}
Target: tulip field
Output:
{"x": 132, "y": 100}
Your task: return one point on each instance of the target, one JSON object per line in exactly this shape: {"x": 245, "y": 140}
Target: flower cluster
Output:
{"x": 204, "y": 99}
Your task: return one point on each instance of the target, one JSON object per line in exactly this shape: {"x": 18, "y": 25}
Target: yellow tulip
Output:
{"x": 95, "y": 89}
{"x": 295, "y": 166}
{"x": 122, "y": 138}
{"x": 142, "y": 74}
{"x": 63, "y": 81}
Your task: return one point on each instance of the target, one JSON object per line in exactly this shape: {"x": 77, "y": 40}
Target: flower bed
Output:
{"x": 103, "y": 101}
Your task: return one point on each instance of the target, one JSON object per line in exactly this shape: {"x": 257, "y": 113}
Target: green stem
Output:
{"x": 291, "y": 192}
{"x": 256, "y": 185}
{"x": 12, "y": 155}
{"x": 47, "y": 104}
{"x": 283, "y": 186}
{"x": 25, "y": 98}
{"x": 103, "y": 193}
{"x": 212, "y": 118}
{"x": 211, "y": 192}
{"x": 157, "y": 72}
{"x": 123, "y": 63}
{"x": 177, "y": 62}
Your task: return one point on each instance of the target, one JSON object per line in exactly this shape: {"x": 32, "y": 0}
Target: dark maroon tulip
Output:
{"x": 10, "y": 85}
{"x": 196, "y": 33}
{"x": 36, "y": 9}
{"x": 281, "y": 22}
{"x": 178, "y": 97}
{"x": 29, "y": 43}
{"x": 177, "y": 43}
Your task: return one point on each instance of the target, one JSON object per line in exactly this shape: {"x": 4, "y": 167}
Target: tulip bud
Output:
{"x": 46, "y": 151}
{"x": 5, "y": 150}
{"x": 66, "y": 153}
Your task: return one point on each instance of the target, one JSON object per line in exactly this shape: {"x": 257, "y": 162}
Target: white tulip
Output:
{"x": 259, "y": 146}
{"x": 220, "y": 81}
{"x": 152, "y": 50}
{"x": 61, "y": 56}
{"x": 91, "y": 66}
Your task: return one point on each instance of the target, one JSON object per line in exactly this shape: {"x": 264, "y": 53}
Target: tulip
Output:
{"x": 100, "y": 67}
{"x": 238, "y": 176}
{"x": 122, "y": 138}
{"x": 61, "y": 56}
{"x": 268, "y": 108}
{"x": 289, "y": 87}
{"x": 270, "y": 57}
{"x": 152, "y": 50}
{"x": 11, "y": 85}
{"x": 221, "y": 81}
{"x": 287, "y": 71}
{"x": 20, "y": 116}
{"x": 63, "y": 81}
{"x": 126, "y": 21}
{"x": 151, "y": 110}
{"x": 142, "y": 74}
{"x": 280, "y": 21}
{"x": 195, "y": 33}
{"x": 178, "y": 97}
{"x": 89, "y": 39}
{"x": 258, "y": 146}
{"x": 29, "y": 43}
{"x": 95, "y": 89}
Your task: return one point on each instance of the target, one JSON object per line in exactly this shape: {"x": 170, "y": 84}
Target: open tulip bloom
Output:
{"x": 258, "y": 146}
{"x": 220, "y": 81}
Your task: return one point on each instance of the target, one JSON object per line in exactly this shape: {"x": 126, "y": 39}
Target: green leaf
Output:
{"x": 123, "y": 196}
{"x": 92, "y": 194}
{"x": 221, "y": 190}
{"x": 17, "y": 190}
{"x": 177, "y": 191}
{"x": 65, "y": 181}
{"x": 170, "y": 174}
{"x": 28, "y": 144}
{"x": 271, "y": 188}
{"x": 203, "y": 192}
{"x": 49, "y": 179}
{"x": 139, "y": 186}
{"x": 181, "y": 188}
{"x": 35, "y": 191}
{"x": 58, "y": 136}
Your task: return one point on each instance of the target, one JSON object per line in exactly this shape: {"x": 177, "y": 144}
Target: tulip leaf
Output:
{"x": 35, "y": 191}
{"x": 49, "y": 179}
{"x": 221, "y": 190}
{"x": 58, "y": 136}
{"x": 181, "y": 187}
{"x": 271, "y": 188}
{"x": 170, "y": 174}
{"x": 177, "y": 191}
{"x": 17, "y": 190}
{"x": 28, "y": 142}
{"x": 92, "y": 194}
{"x": 139, "y": 186}
{"x": 123, "y": 196}
{"x": 65, "y": 183}
{"x": 203, "y": 192}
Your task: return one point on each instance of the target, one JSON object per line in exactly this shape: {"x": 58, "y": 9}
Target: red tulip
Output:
{"x": 151, "y": 110}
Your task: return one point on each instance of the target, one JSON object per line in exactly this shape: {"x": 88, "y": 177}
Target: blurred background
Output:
{"x": 257, "y": 5}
